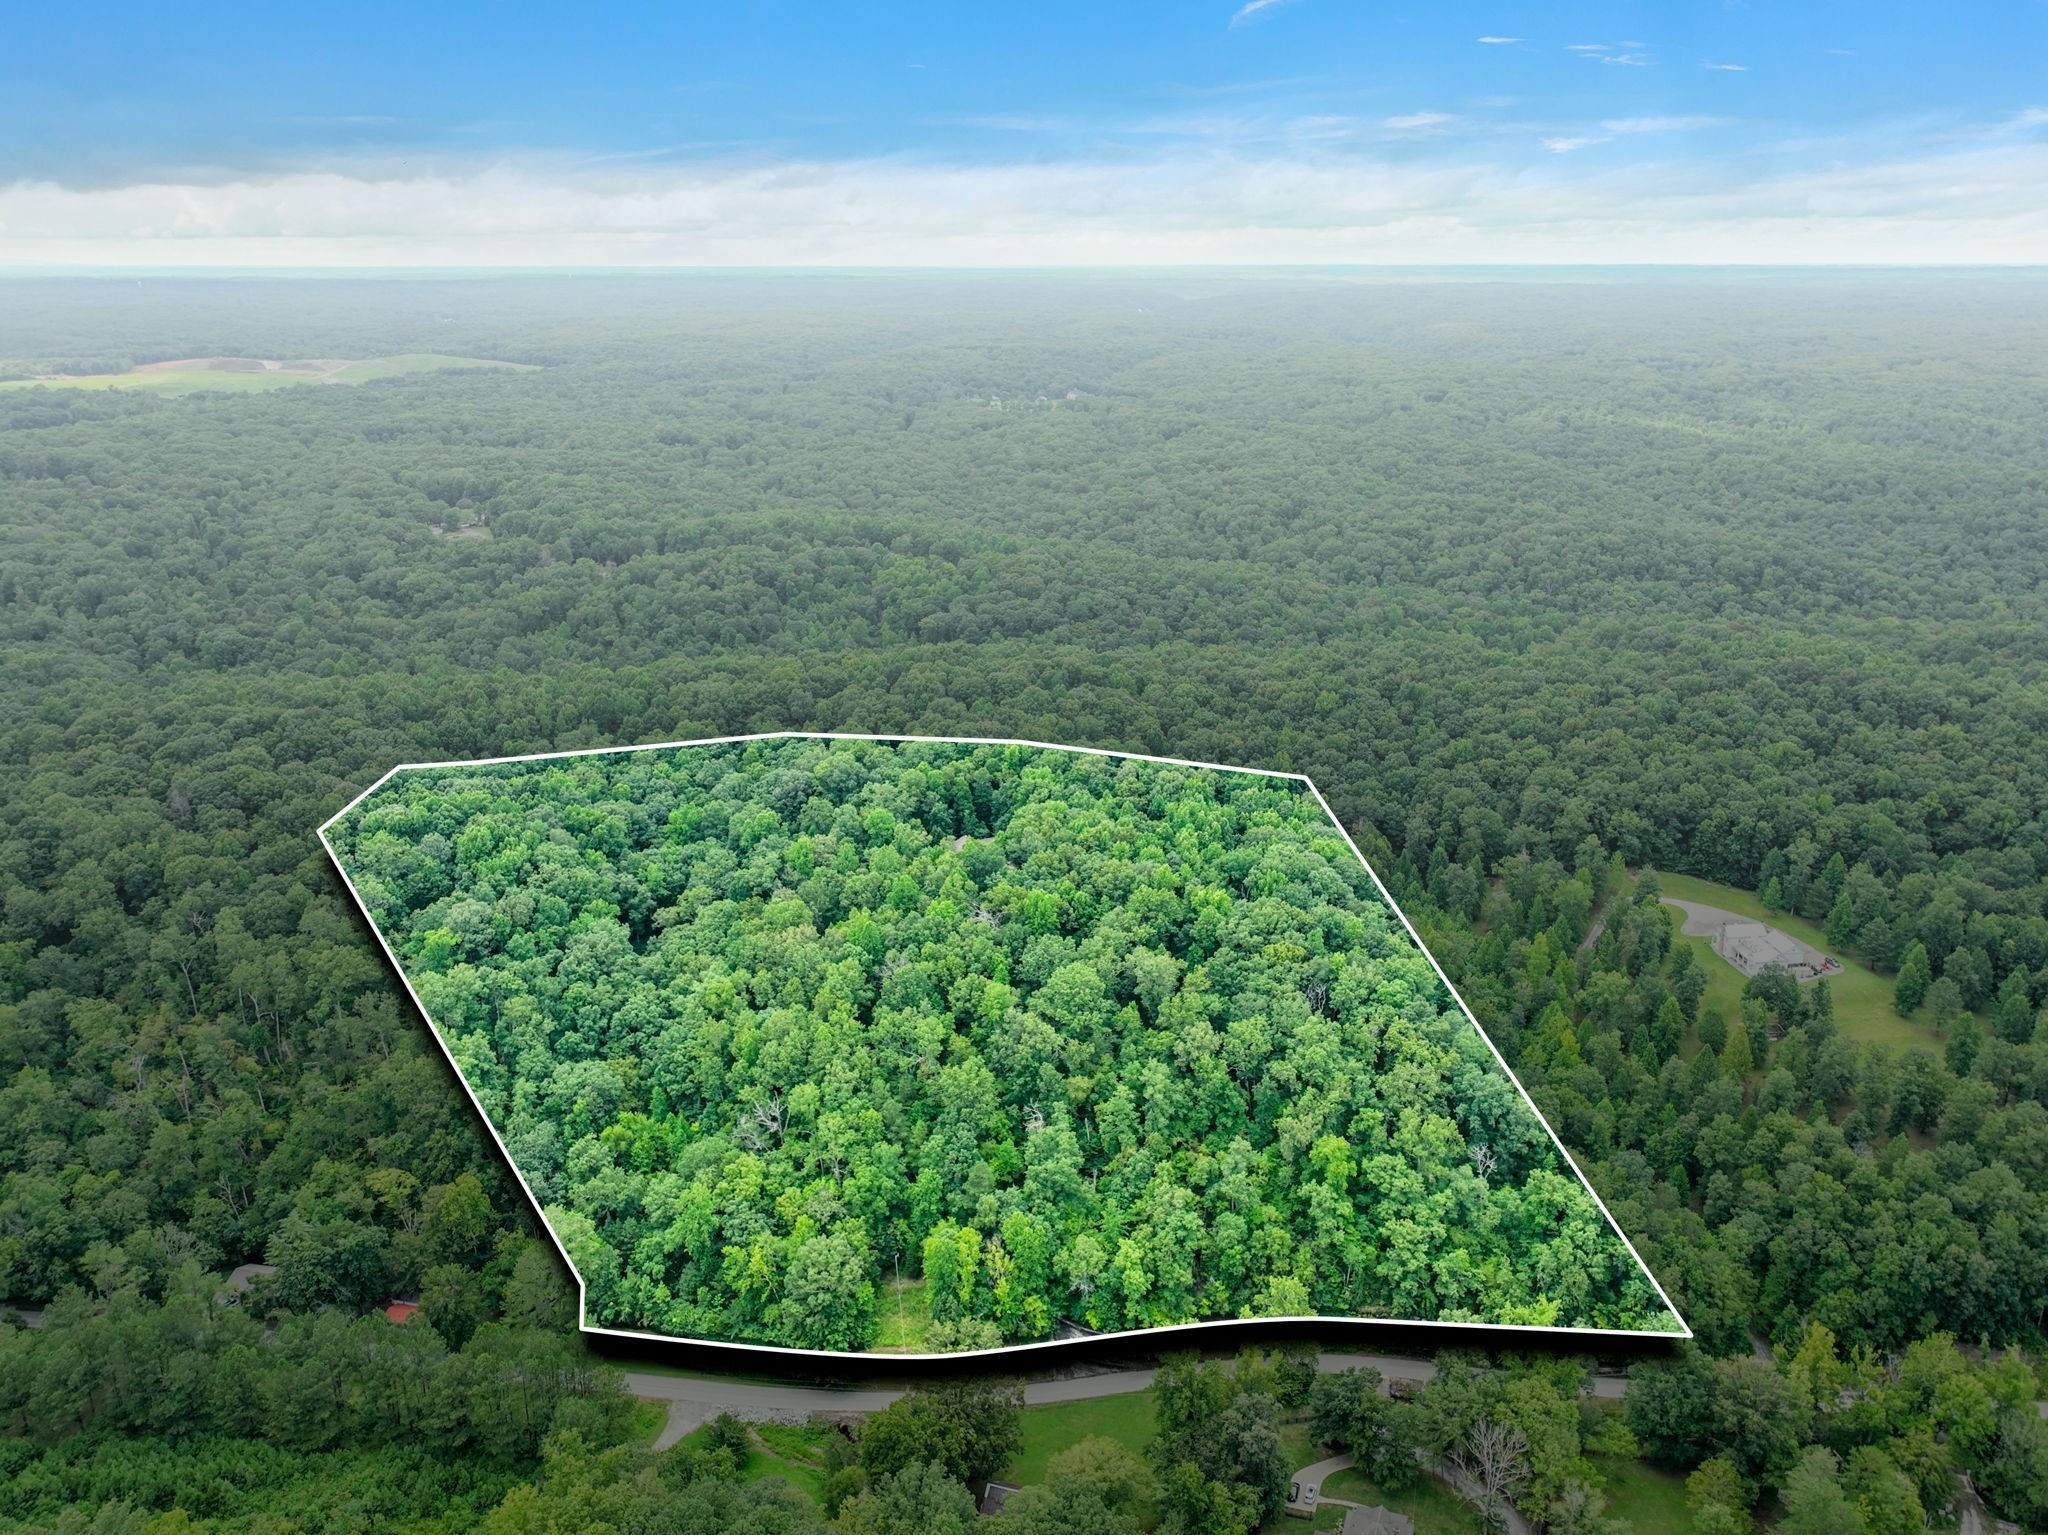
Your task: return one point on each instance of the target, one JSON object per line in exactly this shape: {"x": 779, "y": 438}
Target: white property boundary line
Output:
{"x": 582, "y": 1293}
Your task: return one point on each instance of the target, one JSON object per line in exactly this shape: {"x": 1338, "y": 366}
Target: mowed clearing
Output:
{"x": 192, "y": 375}
{"x": 1863, "y": 998}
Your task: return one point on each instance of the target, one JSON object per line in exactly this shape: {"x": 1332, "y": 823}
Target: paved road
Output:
{"x": 693, "y": 1401}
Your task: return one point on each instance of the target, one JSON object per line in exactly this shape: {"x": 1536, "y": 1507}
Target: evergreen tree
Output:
{"x": 1841, "y": 924}
{"x": 1915, "y": 976}
{"x": 2013, "y": 1021}
{"x": 1965, "y": 1043}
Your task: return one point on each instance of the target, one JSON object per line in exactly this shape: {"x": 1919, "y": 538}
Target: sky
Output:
{"x": 1136, "y": 132}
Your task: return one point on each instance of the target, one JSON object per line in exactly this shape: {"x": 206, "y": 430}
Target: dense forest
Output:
{"x": 1733, "y": 576}
{"x": 1069, "y": 1038}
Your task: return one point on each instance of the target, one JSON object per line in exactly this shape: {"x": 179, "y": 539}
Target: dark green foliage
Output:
{"x": 1910, "y": 990}
{"x": 1347, "y": 1410}
{"x": 1723, "y": 576}
{"x": 1739, "y": 1409}
{"x": 1221, "y": 1462}
{"x": 970, "y": 1427}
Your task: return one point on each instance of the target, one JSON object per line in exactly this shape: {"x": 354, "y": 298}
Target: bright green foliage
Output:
{"x": 1080, "y": 1038}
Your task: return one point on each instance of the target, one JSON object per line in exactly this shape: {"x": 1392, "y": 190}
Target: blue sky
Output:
{"x": 1275, "y": 130}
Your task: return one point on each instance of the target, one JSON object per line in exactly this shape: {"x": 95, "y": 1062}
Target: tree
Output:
{"x": 1757, "y": 1421}
{"x": 537, "y": 1294}
{"x": 971, "y": 1427}
{"x": 2013, "y": 1021}
{"x": 1347, "y": 1410}
{"x": 1220, "y": 1422}
{"x": 922, "y": 1498}
{"x": 332, "y": 1263}
{"x": 1736, "y": 1059}
{"x": 1842, "y": 926}
{"x": 1815, "y": 1503}
{"x": 1492, "y": 1459}
{"x": 452, "y": 1300}
{"x": 1965, "y": 1044}
{"x": 1916, "y": 974}
{"x": 1581, "y": 1509}
{"x": 1944, "y": 1004}
{"x": 2014, "y": 1477}
{"x": 1191, "y": 1504}
{"x": 828, "y": 1301}
{"x": 1884, "y": 1496}
{"x": 1815, "y": 1372}
{"x": 1718, "y": 1499}
{"x": 459, "y": 1224}
{"x": 1249, "y": 1456}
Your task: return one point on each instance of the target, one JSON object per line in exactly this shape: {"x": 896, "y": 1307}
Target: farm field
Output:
{"x": 163, "y": 379}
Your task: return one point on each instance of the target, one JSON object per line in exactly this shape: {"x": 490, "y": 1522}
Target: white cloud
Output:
{"x": 1563, "y": 145}
{"x": 1252, "y": 8}
{"x": 1191, "y": 205}
{"x": 1612, "y": 53}
{"x": 1660, "y": 124}
{"x": 1420, "y": 120}
{"x": 2033, "y": 115}
{"x": 1498, "y": 40}
{"x": 1733, "y": 69}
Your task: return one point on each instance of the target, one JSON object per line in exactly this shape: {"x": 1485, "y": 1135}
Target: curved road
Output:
{"x": 695, "y": 1400}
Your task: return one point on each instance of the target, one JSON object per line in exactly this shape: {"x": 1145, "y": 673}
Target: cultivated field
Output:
{"x": 238, "y": 375}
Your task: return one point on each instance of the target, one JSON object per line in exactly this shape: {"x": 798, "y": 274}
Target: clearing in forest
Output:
{"x": 191, "y": 375}
{"x": 773, "y": 1029}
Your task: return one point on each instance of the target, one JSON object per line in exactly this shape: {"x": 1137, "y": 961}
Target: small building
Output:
{"x": 236, "y": 1288}
{"x": 994, "y": 1496}
{"x": 401, "y": 1311}
{"x": 1377, "y": 1521}
{"x": 1751, "y": 947}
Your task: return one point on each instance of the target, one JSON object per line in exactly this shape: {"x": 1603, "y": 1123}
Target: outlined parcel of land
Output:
{"x": 844, "y": 1043}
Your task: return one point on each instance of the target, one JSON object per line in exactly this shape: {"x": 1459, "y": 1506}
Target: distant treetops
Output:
{"x": 854, "y": 1044}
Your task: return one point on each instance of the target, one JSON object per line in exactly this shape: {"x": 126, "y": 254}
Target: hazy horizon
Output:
{"x": 1262, "y": 131}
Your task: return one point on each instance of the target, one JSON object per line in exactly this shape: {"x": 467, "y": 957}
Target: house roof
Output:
{"x": 994, "y": 1496}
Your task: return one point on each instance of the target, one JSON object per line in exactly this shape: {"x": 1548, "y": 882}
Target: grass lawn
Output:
{"x": 1129, "y": 1419}
{"x": 648, "y": 1418}
{"x": 796, "y": 1454}
{"x": 905, "y": 1310}
{"x": 1435, "y": 1509}
{"x": 1646, "y": 1497}
{"x": 1863, "y": 998}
